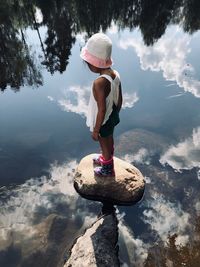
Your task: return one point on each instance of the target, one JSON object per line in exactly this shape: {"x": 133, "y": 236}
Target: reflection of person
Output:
{"x": 105, "y": 100}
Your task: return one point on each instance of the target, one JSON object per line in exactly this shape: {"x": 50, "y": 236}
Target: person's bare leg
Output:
{"x": 111, "y": 144}
{"x": 107, "y": 165}
{"x": 105, "y": 143}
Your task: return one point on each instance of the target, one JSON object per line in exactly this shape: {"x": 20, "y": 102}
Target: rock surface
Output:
{"x": 126, "y": 188}
{"x": 97, "y": 246}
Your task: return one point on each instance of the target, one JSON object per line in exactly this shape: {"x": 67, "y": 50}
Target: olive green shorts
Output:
{"x": 107, "y": 129}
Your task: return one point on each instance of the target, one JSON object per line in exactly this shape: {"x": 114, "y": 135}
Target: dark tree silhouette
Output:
{"x": 60, "y": 34}
{"x": 65, "y": 18}
{"x": 191, "y": 16}
{"x": 17, "y": 65}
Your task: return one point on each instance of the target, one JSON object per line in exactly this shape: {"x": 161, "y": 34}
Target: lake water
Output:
{"x": 43, "y": 100}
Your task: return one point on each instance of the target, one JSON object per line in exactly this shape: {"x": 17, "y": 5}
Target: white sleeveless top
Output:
{"x": 111, "y": 99}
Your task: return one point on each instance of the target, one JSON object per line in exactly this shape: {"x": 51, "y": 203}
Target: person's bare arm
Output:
{"x": 120, "y": 99}
{"x": 100, "y": 96}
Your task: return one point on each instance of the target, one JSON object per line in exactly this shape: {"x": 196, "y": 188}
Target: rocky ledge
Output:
{"x": 125, "y": 188}
{"x": 97, "y": 246}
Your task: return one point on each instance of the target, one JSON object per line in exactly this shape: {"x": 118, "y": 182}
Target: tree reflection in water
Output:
{"x": 65, "y": 18}
{"x": 171, "y": 254}
{"x": 17, "y": 66}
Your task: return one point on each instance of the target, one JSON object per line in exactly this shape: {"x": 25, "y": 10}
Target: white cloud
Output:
{"x": 50, "y": 98}
{"x": 137, "y": 250}
{"x": 171, "y": 84}
{"x": 197, "y": 208}
{"x": 147, "y": 180}
{"x": 43, "y": 195}
{"x": 198, "y": 175}
{"x": 76, "y": 99}
{"x": 17, "y": 213}
{"x": 113, "y": 28}
{"x": 174, "y": 96}
{"x": 142, "y": 156}
{"x": 129, "y": 100}
{"x": 169, "y": 56}
{"x": 38, "y": 15}
{"x": 184, "y": 155}
{"x": 81, "y": 38}
{"x": 167, "y": 219}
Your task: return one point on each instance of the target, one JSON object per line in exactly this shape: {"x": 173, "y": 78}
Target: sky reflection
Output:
{"x": 29, "y": 214}
{"x": 184, "y": 155}
{"x": 168, "y": 55}
{"x": 43, "y": 129}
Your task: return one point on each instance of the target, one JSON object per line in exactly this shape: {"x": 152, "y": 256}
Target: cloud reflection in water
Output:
{"x": 76, "y": 99}
{"x": 167, "y": 219}
{"x": 185, "y": 155}
{"x": 34, "y": 208}
{"x": 137, "y": 250}
{"x": 168, "y": 55}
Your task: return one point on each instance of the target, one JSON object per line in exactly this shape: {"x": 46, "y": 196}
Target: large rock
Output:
{"x": 97, "y": 247}
{"x": 126, "y": 188}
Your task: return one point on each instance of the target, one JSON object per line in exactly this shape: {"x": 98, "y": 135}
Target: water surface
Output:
{"x": 45, "y": 89}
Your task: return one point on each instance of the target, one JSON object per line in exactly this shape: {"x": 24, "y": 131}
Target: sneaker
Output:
{"x": 97, "y": 159}
{"x": 101, "y": 172}
{"x": 106, "y": 169}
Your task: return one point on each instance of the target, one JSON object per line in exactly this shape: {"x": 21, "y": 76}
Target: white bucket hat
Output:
{"x": 97, "y": 51}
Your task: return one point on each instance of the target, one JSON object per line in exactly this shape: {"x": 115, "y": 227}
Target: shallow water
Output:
{"x": 45, "y": 89}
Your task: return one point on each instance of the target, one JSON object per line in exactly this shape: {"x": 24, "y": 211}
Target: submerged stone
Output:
{"x": 125, "y": 188}
{"x": 97, "y": 246}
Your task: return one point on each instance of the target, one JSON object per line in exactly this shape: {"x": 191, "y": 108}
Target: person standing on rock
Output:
{"x": 105, "y": 100}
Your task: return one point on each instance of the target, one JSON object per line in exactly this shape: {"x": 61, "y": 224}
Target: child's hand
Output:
{"x": 95, "y": 135}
